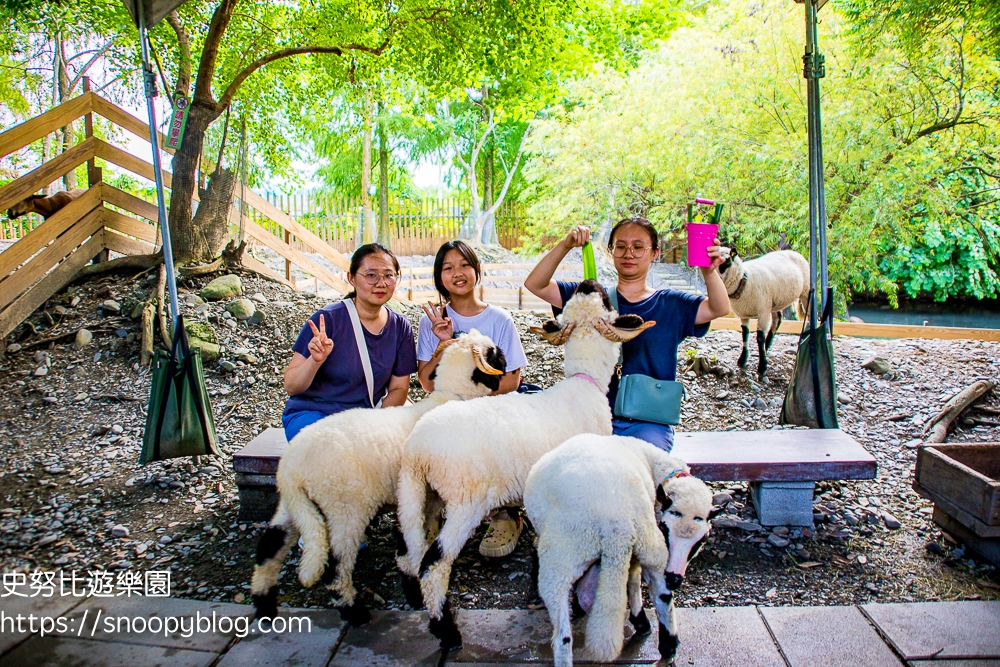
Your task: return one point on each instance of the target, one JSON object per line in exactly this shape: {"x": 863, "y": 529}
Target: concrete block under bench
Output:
{"x": 781, "y": 465}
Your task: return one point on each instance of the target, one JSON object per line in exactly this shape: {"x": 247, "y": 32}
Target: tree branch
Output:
{"x": 230, "y": 93}
{"x": 183, "y": 83}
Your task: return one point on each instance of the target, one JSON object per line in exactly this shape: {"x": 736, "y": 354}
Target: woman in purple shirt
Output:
{"x": 325, "y": 375}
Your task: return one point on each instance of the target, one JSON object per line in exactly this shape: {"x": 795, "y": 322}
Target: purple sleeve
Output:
{"x": 406, "y": 351}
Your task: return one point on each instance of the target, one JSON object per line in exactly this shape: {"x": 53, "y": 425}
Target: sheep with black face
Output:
{"x": 475, "y": 455}
{"x": 604, "y": 507}
{"x": 338, "y": 472}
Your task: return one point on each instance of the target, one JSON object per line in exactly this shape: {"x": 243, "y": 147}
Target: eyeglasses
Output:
{"x": 637, "y": 250}
{"x": 373, "y": 278}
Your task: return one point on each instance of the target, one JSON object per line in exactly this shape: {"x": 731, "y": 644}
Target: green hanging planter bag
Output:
{"x": 179, "y": 417}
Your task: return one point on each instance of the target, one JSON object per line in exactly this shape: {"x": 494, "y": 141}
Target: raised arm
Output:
{"x": 539, "y": 282}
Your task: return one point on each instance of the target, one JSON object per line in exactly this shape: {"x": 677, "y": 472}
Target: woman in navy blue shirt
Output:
{"x": 325, "y": 375}
{"x": 634, "y": 244}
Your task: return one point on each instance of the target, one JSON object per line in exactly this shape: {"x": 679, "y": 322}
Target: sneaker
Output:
{"x": 501, "y": 536}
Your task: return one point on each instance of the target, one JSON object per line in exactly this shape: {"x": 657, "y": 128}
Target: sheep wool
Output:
{"x": 339, "y": 471}
{"x": 475, "y": 456}
{"x": 761, "y": 288}
{"x": 604, "y": 503}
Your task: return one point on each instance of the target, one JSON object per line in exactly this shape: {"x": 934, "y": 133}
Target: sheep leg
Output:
{"x": 555, "y": 583}
{"x": 745, "y": 353}
{"x": 435, "y": 569}
{"x": 663, "y": 598}
{"x": 272, "y": 550}
{"x": 637, "y": 617}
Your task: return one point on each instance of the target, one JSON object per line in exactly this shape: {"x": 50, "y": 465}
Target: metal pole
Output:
{"x": 149, "y": 85}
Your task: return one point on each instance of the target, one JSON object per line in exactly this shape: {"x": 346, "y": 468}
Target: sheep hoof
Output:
{"x": 267, "y": 604}
{"x": 641, "y": 623}
{"x": 357, "y": 614}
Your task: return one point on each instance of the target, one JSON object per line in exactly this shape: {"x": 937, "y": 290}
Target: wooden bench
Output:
{"x": 781, "y": 465}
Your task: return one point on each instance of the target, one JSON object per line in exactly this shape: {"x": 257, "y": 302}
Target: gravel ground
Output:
{"x": 75, "y": 499}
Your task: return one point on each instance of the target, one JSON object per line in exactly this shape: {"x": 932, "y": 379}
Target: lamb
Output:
{"x": 599, "y": 504}
{"x": 45, "y": 206}
{"x": 762, "y": 288}
{"x": 338, "y": 472}
{"x": 475, "y": 456}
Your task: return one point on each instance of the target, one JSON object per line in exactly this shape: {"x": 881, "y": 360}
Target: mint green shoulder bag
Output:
{"x": 644, "y": 398}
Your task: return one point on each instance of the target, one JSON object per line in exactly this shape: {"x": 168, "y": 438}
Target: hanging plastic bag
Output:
{"x": 811, "y": 398}
{"x": 179, "y": 417}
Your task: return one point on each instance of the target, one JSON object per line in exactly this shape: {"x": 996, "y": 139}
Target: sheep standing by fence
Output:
{"x": 44, "y": 206}
{"x": 338, "y": 472}
{"x": 475, "y": 456}
{"x": 595, "y": 502}
{"x": 762, "y": 288}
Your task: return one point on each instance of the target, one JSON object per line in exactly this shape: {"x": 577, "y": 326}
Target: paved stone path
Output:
{"x": 934, "y": 634}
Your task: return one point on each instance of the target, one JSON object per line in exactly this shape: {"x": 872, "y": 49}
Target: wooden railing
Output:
{"x": 47, "y": 257}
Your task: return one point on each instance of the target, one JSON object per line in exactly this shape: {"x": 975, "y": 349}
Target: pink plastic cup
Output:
{"x": 701, "y": 236}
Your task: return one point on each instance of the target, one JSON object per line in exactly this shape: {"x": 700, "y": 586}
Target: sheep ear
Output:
{"x": 714, "y": 512}
{"x": 662, "y": 498}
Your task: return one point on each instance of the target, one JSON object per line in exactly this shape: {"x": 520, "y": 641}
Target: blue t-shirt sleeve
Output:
{"x": 427, "y": 342}
{"x": 406, "y": 351}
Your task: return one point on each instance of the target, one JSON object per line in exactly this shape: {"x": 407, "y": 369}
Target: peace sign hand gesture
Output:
{"x": 441, "y": 324}
{"x": 321, "y": 345}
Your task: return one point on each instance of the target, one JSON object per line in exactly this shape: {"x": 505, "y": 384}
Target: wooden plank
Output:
{"x": 43, "y": 234}
{"x": 36, "y": 128}
{"x": 301, "y": 233}
{"x": 126, "y": 225}
{"x": 127, "y": 161}
{"x": 127, "y": 121}
{"x": 126, "y": 245}
{"x": 296, "y": 257}
{"x": 130, "y": 203}
{"x": 255, "y": 264}
{"x": 790, "y": 455}
{"x": 46, "y": 173}
{"x": 43, "y": 262}
{"x": 50, "y": 284}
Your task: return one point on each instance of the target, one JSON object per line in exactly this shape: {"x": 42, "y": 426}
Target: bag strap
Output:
{"x": 359, "y": 338}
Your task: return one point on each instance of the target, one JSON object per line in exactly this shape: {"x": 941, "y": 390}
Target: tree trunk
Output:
{"x": 368, "y": 233}
{"x": 190, "y": 244}
{"x": 384, "y": 232}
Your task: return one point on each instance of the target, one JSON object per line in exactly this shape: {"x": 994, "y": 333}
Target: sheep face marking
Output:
{"x": 684, "y": 505}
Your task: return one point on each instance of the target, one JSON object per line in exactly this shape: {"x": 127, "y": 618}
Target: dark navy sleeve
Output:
{"x": 566, "y": 291}
{"x": 406, "y": 351}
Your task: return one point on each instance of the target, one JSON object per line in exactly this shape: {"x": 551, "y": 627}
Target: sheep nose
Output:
{"x": 673, "y": 581}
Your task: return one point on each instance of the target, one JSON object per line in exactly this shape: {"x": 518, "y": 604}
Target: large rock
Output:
{"x": 223, "y": 287}
{"x": 241, "y": 309}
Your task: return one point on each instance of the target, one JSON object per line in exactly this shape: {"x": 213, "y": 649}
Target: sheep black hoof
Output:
{"x": 357, "y": 614}
{"x": 267, "y": 604}
{"x": 411, "y": 591}
{"x": 641, "y": 623}
{"x": 668, "y": 644}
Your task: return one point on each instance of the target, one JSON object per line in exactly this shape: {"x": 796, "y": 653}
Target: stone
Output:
{"x": 111, "y": 307}
{"x": 258, "y": 317}
{"x": 120, "y": 531}
{"x": 83, "y": 339}
{"x": 209, "y": 351}
{"x": 877, "y": 365}
{"x": 259, "y": 298}
{"x": 241, "y": 309}
{"x": 223, "y": 287}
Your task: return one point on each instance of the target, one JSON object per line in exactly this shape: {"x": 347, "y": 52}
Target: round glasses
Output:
{"x": 373, "y": 278}
{"x": 621, "y": 250}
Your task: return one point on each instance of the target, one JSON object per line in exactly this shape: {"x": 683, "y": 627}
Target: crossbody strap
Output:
{"x": 359, "y": 338}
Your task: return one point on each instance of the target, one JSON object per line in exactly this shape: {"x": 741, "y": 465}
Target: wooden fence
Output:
{"x": 417, "y": 226}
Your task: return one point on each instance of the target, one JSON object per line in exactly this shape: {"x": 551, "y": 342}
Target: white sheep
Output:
{"x": 595, "y": 502}
{"x": 762, "y": 288}
{"x": 475, "y": 456}
{"x": 338, "y": 472}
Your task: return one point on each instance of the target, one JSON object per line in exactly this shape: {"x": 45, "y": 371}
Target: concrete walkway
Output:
{"x": 94, "y": 631}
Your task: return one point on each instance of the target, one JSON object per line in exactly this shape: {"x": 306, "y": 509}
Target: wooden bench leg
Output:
{"x": 783, "y": 503}
{"x": 258, "y": 496}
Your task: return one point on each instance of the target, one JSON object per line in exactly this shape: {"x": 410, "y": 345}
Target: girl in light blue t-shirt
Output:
{"x": 456, "y": 274}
